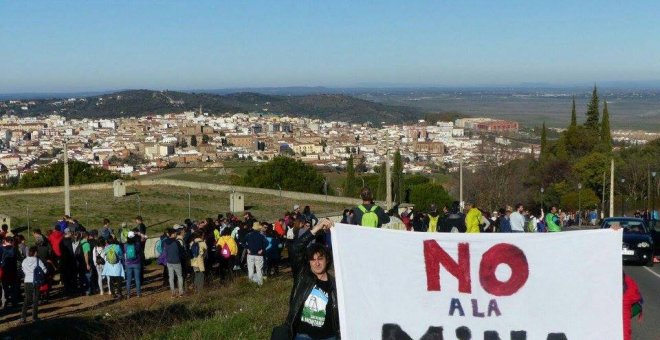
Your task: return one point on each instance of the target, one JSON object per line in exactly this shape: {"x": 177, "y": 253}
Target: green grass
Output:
{"x": 236, "y": 310}
{"x": 241, "y": 311}
{"x": 160, "y": 206}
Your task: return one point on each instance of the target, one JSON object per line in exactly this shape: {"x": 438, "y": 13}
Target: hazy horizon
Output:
{"x": 79, "y": 46}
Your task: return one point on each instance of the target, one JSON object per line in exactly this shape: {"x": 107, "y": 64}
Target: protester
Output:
{"x": 517, "y": 220}
{"x": 433, "y": 218}
{"x": 133, "y": 262}
{"x": 9, "y": 269}
{"x": 272, "y": 254}
{"x": 313, "y": 312}
{"x": 504, "y": 220}
{"x": 106, "y": 231}
{"x": 34, "y": 271}
{"x": 631, "y": 296}
{"x": 98, "y": 254}
{"x": 455, "y": 221}
{"x": 552, "y": 221}
{"x": 68, "y": 266}
{"x": 174, "y": 254}
{"x": 308, "y": 216}
{"x": 473, "y": 218}
{"x": 86, "y": 266}
{"x": 369, "y": 214}
{"x": 256, "y": 248}
{"x": 228, "y": 250}
{"x": 198, "y": 251}
{"x": 113, "y": 267}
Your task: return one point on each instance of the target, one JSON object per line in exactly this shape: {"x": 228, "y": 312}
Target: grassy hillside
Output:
{"x": 235, "y": 310}
{"x": 160, "y": 206}
{"x": 146, "y": 102}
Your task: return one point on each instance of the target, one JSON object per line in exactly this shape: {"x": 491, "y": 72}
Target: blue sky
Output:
{"x": 62, "y": 46}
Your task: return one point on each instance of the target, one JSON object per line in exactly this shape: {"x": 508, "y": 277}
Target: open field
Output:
{"x": 161, "y": 206}
{"x": 229, "y": 310}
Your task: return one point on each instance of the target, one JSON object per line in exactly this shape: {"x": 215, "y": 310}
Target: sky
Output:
{"x": 67, "y": 46}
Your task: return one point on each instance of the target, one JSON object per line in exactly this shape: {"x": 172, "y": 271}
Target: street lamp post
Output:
{"x": 280, "y": 187}
{"x": 325, "y": 188}
{"x": 542, "y": 198}
{"x": 362, "y": 178}
{"x": 579, "y": 216}
{"x": 653, "y": 219}
{"x": 623, "y": 204}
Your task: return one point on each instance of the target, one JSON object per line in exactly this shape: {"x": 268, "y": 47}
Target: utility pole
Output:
{"x": 612, "y": 188}
{"x": 388, "y": 175}
{"x": 648, "y": 190}
{"x": 460, "y": 178}
{"x": 67, "y": 194}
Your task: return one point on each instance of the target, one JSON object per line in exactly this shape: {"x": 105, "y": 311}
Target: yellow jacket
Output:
{"x": 472, "y": 220}
{"x": 198, "y": 262}
{"x": 231, "y": 243}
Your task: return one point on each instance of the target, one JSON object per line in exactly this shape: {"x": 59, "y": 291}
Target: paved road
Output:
{"x": 648, "y": 280}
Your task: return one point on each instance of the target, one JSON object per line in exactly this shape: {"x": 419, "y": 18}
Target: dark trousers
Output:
{"x": 199, "y": 281}
{"x": 10, "y": 289}
{"x": 115, "y": 285}
{"x": 31, "y": 298}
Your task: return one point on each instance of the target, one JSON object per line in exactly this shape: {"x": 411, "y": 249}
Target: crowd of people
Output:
{"x": 111, "y": 260}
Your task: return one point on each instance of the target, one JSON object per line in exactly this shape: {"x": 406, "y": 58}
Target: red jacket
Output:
{"x": 54, "y": 238}
{"x": 630, "y": 297}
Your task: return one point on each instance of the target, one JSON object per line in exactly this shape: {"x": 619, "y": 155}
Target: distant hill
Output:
{"x": 337, "y": 107}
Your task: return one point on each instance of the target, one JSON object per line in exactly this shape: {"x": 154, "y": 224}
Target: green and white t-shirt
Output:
{"x": 316, "y": 314}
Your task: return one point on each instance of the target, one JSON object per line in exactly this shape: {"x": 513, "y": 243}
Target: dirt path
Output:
{"x": 59, "y": 306}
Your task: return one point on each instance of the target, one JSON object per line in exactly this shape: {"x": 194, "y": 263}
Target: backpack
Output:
{"x": 158, "y": 248}
{"x": 369, "y": 218}
{"x": 111, "y": 255}
{"x": 105, "y": 233}
{"x": 39, "y": 275}
{"x": 130, "y": 252}
{"x": 194, "y": 249}
{"x": 433, "y": 224}
{"x": 225, "y": 252}
{"x": 162, "y": 258}
{"x": 123, "y": 235}
{"x": 99, "y": 260}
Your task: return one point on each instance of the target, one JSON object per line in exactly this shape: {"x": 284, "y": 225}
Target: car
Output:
{"x": 638, "y": 239}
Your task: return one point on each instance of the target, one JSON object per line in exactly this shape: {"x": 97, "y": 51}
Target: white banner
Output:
{"x": 404, "y": 285}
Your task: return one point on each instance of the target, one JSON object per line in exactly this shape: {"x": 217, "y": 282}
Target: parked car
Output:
{"x": 638, "y": 239}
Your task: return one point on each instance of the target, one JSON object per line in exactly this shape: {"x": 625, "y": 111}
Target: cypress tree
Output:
{"x": 573, "y": 115}
{"x": 592, "y": 112}
{"x": 349, "y": 185}
{"x": 397, "y": 176}
{"x": 382, "y": 183}
{"x": 544, "y": 143}
{"x": 605, "y": 133}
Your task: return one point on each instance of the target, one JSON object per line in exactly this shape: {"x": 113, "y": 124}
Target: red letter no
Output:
{"x": 510, "y": 255}
{"x": 434, "y": 256}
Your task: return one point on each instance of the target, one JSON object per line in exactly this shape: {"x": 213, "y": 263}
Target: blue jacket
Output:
{"x": 505, "y": 225}
{"x": 173, "y": 251}
{"x": 256, "y": 242}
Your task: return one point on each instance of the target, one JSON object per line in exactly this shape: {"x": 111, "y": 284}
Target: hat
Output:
{"x": 177, "y": 227}
{"x": 67, "y": 231}
{"x": 296, "y": 207}
{"x": 131, "y": 234}
{"x": 256, "y": 226}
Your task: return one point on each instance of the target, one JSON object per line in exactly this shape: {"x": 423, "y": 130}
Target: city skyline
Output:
{"x": 81, "y": 46}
